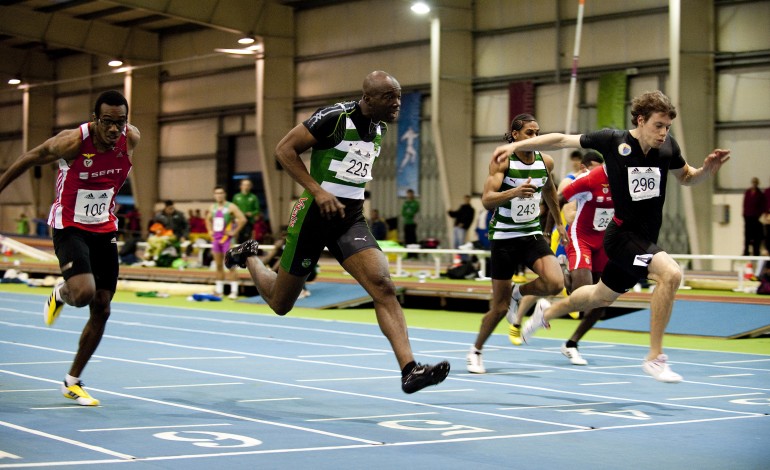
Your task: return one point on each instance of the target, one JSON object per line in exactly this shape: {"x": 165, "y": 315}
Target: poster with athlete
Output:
{"x": 408, "y": 151}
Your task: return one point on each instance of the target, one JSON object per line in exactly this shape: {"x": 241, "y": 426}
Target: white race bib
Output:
{"x": 643, "y": 183}
{"x": 93, "y": 206}
{"x": 602, "y": 218}
{"x": 356, "y": 167}
{"x": 218, "y": 224}
{"x": 525, "y": 209}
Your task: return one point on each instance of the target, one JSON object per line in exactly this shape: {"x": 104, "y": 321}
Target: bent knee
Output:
{"x": 554, "y": 286}
{"x": 81, "y": 298}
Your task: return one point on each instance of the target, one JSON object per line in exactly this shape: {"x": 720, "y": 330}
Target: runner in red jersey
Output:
{"x": 94, "y": 162}
{"x": 585, "y": 251}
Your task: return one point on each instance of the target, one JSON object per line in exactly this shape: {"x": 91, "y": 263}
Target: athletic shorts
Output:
{"x": 220, "y": 245}
{"x": 587, "y": 252}
{"x": 508, "y": 254}
{"x": 629, "y": 257}
{"x": 83, "y": 252}
{"x": 309, "y": 233}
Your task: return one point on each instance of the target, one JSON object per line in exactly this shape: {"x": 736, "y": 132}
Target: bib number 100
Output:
{"x": 94, "y": 210}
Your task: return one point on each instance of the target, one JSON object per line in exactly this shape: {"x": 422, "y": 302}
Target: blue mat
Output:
{"x": 326, "y": 295}
{"x": 700, "y": 319}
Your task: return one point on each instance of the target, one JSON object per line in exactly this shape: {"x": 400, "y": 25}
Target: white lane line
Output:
{"x": 192, "y": 358}
{"x": 603, "y": 383}
{"x": 517, "y": 372}
{"x": 612, "y": 367}
{"x": 743, "y": 361}
{"x": 444, "y": 351}
{"x": 730, "y": 375}
{"x": 269, "y": 399}
{"x": 64, "y": 407}
{"x": 346, "y": 379}
{"x": 142, "y": 428}
{"x": 444, "y": 390}
{"x": 350, "y": 418}
{"x": 716, "y": 396}
{"x": 35, "y": 363}
{"x": 68, "y": 441}
{"x": 29, "y": 390}
{"x": 342, "y": 355}
{"x": 199, "y": 408}
{"x": 184, "y": 385}
{"x": 554, "y": 406}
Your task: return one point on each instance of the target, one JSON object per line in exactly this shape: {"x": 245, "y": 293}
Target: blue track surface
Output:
{"x": 189, "y": 388}
{"x": 699, "y": 319}
{"x": 325, "y": 295}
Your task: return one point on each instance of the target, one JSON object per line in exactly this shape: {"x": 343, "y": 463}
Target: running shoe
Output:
{"x": 77, "y": 393}
{"x": 474, "y": 362}
{"x": 514, "y": 334}
{"x": 536, "y": 321}
{"x": 659, "y": 370}
{"x": 573, "y": 355}
{"x": 423, "y": 376}
{"x": 52, "y": 307}
{"x": 237, "y": 256}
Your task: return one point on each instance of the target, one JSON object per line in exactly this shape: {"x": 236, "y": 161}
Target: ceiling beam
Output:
{"x": 89, "y": 36}
{"x": 27, "y": 64}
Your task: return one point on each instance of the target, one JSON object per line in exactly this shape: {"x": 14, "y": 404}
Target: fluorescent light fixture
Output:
{"x": 421, "y": 8}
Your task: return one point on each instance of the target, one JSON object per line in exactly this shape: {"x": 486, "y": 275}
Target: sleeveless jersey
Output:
{"x": 86, "y": 187}
{"x": 221, "y": 221}
{"x": 595, "y": 207}
{"x": 344, "y": 170}
{"x": 520, "y": 217}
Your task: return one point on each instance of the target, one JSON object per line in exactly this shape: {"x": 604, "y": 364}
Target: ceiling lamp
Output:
{"x": 14, "y": 81}
{"x": 421, "y": 8}
{"x": 246, "y": 40}
{"x": 115, "y": 63}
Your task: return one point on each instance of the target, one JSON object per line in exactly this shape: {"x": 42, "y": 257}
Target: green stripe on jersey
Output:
{"x": 520, "y": 217}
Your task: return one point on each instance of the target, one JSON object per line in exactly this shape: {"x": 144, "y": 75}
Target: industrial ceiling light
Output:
{"x": 14, "y": 81}
{"x": 421, "y": 8}
{"x": 246, "y": 40}
{"x": 115, "y": 63}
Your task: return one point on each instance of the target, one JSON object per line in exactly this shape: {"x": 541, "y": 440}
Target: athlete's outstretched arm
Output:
{"x": 553, "y": 141}
{"x": 63, "y": 145}
{"x": 689, "y": 176}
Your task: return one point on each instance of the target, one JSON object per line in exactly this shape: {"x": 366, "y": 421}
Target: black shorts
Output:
{"x": 630, "y": 255}
{"x": 309, "y": 233}
{"x": 83, "y": 252}
{"x": 508, "y": 254}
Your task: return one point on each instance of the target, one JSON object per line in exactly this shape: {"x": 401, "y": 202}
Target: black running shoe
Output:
{"x": 423, "y": 376}
{"x": 237, "y": 256}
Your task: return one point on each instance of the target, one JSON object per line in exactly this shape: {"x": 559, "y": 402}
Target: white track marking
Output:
{"x": 66, "y": 440}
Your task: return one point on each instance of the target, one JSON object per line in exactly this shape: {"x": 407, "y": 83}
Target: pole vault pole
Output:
{"x": 572, "y": 86}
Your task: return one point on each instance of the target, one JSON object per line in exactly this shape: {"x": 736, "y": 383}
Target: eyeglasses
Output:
{"x": 108, "y": 123}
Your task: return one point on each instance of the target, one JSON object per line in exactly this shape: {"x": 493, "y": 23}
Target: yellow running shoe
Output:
{"x": 77, "y": 393}
{"x": 52, "y": 307}
{"x": 514, "y": 334}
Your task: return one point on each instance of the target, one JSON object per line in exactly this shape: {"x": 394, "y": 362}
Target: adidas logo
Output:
{"x": 104, "y": 196}
{"x": 90, "y": 196}
{"x": 635, "y": 171}
{"x": 649, "y": 170}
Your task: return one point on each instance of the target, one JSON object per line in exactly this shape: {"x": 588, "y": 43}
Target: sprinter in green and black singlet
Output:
{"x": 514, "y": 190}
{"x": 345, "y": 139}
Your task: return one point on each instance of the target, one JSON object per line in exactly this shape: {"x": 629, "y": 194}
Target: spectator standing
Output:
{"x": 377, "y": 226}
{"x": 463, "y": 219}
{"x": 22, "y": 224}
{"x": 248, "y": 203}
{"x": 754, "y": 205}
{"x": 409, "y": 211}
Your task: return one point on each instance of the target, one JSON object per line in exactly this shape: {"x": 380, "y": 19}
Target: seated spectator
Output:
{"x": 173, "y": 220}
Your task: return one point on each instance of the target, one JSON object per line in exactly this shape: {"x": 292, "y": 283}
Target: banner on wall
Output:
{"x": 408, "y": 150}
{"x": 611, "y": 103}
{"x": 521, "y": 99}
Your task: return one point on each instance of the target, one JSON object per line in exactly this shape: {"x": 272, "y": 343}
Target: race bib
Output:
{"x": 356, "y": 167}
{"x": 525, "y": 209}
{"x": 602, "y": 218}
{"x": 93, "y": 206}
{"x": 218, "y": 224}
{"x": 643, "y": 183}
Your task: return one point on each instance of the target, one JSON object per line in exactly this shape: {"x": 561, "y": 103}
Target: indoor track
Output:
{"x": 194, "y": 388}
